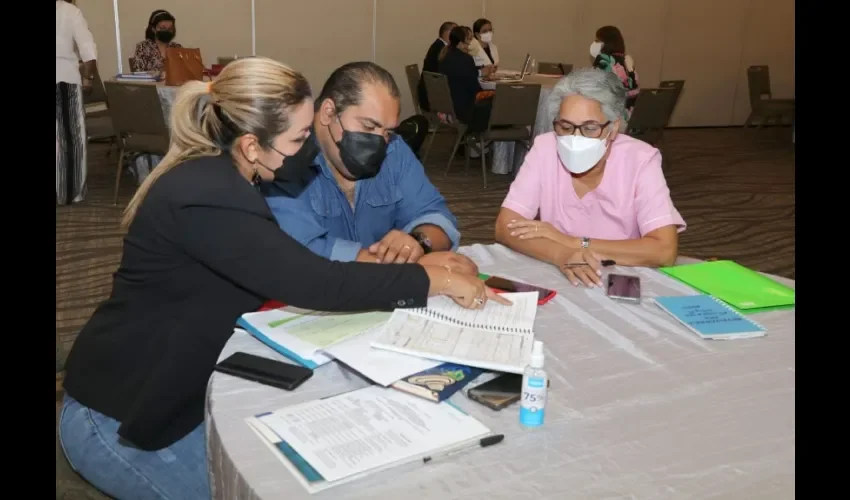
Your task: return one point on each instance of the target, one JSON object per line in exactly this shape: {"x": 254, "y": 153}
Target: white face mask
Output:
{"x": 487, "y": 37}
{"x": 579, "y": 154}
{"x": 595, "y": 49}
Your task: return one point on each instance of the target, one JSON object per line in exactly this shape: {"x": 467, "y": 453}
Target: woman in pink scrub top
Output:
{"x": 598, "y": 194}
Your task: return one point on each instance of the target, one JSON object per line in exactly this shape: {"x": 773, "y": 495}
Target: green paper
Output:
{"x": 483, "y": 277}
{"x": 747, "y": 291}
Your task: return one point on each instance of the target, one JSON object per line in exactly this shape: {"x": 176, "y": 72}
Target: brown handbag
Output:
{"x": 182, "y": 65}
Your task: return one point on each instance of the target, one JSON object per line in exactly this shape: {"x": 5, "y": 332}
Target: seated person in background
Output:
{"x": 432, "y": 61}
{"x": 599, "y": 194}
{"x": 369, "y": 200}
{"x": 150, "y": 53}
{"x": 609, "y": 54}
{"x": 489, "y": 55}
{"x": 459, "y": 68}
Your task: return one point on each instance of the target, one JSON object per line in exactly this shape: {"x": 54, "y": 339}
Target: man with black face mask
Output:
{"x": 370, "y": 199}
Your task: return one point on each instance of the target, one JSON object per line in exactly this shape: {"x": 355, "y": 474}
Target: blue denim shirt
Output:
{"x": 399, "y": 197}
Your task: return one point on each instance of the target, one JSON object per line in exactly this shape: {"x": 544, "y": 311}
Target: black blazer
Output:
{"x": 204, "y": 249}
{"x": 459, "y": 68}
{"x": 432, "y": 64}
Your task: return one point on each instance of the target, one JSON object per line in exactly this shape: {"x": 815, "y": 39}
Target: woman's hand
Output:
{"x": 581, "y": 266}
{"x": 466, "y": 290}
{"x": 488, "y": 70}
{"x": 458, "y": 263}
{"x": 530, "y": 229}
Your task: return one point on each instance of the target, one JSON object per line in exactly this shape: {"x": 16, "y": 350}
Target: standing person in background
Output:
{"x": 483, "y": 31}
{"x": 159, "y": 36}
{"x": 609, "y": 53}
{"x": 432, "y": 62}
{"x": 72, "y": 30}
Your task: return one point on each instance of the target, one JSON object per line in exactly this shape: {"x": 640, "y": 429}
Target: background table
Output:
{"x": 639, "y": 407}
{"x": 505, "y": 160}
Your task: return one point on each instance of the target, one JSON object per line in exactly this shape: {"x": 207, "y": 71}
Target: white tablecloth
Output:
{"x": 639, "y": 407}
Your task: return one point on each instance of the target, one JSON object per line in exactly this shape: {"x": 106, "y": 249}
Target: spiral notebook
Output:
{"x": 710, "y": 317}
{"x": 495, "y": 337}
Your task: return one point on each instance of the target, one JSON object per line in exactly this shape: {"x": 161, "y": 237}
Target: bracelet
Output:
{"x": 448, "y": 278}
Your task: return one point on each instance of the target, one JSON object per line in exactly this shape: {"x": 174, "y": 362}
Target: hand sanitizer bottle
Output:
{"x": 535, "y": 383}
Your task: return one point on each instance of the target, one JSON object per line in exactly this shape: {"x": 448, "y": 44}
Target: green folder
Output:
{"x": 744, "y": 289}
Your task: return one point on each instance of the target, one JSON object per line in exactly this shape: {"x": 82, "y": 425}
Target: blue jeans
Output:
{"x": 91, "y": 443}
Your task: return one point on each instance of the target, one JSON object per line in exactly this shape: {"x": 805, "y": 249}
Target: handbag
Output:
{"x": 182, "y": 65}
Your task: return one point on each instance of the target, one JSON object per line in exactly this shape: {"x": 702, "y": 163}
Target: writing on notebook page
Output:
{"x": 519, "y": 316}
{"x": 417, "y": 334}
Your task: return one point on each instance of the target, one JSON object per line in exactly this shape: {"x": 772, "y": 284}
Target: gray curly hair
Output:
{"x": 591, "y": 83}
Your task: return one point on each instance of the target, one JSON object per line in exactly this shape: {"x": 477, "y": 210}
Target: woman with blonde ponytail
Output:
{"x": 202, "y": 248}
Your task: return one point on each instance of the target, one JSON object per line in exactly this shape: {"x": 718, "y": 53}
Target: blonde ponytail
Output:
{"x": 253, "y": 95}
{"x": 188, "y": 139}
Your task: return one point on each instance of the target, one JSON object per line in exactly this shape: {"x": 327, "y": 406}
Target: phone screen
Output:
{"x": 621, "y": 286}
{"x": 507, "y": 285}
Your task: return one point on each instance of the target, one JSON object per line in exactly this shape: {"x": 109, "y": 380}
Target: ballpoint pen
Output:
{"x": 481, "y": 443}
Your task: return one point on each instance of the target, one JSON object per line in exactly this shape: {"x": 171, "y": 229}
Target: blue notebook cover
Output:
{"x": 709, "y": 317}
{"x": 439, "y": 383}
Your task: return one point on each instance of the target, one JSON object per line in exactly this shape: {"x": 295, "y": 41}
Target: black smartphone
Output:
{"x": 623, "y": 287}
{"x": 498, "y": 283}
{"x": 264, "y": 370}
{"x": 498, "y": 393}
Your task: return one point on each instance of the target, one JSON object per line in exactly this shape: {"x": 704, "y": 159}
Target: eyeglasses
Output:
{"x": 592, "y": 130}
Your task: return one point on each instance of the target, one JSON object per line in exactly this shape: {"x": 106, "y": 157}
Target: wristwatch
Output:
{"x": 585, "y": 242}
{"x": 424, "y": 241}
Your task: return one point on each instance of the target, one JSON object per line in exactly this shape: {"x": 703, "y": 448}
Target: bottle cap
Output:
{"x": 537, "y": 354}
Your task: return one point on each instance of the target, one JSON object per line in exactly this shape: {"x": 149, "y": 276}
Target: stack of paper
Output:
{"x": 312, "y": 339}
{"x": 335, "y": 440}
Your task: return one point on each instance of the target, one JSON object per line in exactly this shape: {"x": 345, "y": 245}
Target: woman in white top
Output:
{"x": 72, "y": 31}
{"x": 482, "y": 29}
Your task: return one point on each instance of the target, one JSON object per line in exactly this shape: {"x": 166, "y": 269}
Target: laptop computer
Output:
{"x": 515, "y": 77}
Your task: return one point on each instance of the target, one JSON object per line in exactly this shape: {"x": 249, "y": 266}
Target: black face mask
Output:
{"x": 165, "y": 36}
{"x": 296, "y": 168}
{"x": 361, "y": 153}
{"x": 295, "y": 172}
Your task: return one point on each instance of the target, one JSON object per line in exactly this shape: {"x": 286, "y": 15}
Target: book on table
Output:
{"x": 314, "y": 338}
{"x": 746, "y": 290}
{"x": 439, "y": 383}
{"x": 495, "y": 337}
{"x": 710, "y": 317}
{"x": 336, "y": 440}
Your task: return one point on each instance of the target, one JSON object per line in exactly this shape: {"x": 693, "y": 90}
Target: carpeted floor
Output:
{"x": 734, "y": 187}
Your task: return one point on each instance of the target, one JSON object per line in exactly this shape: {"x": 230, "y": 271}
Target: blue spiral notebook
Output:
{"x": 710, "y": 317}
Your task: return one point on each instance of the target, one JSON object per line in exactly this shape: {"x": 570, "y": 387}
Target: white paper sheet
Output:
{"x": 381, "y": 366}
{"x": 370, "y": 429}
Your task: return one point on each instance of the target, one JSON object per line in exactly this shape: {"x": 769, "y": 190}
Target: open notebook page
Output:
{"x": 517, "y": 317}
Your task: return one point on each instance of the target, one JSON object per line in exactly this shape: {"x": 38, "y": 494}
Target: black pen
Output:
{"x": 482, "y": 443}
{"x": 604, "y": 263}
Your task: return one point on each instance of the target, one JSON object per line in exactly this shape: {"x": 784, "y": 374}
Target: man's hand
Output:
{"x": 458, "y": 263}
{"x": 87, "y": 85}
{"x": 397, "y": 247}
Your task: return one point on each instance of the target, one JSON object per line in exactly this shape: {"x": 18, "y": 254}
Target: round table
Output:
{"x": 638, "y": 407}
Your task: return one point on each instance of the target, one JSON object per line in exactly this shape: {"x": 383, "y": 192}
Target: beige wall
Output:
{"x": 708, "y": 43}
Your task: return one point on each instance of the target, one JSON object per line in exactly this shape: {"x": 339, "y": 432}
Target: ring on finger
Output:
{"x": 479, "y": 301}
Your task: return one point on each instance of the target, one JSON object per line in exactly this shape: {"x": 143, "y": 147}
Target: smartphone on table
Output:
{"x": 264, "y": 370}
{"x": 623, "y": 287}
{"x": 500, "y": 284}
{"x": 498, "y": 393}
